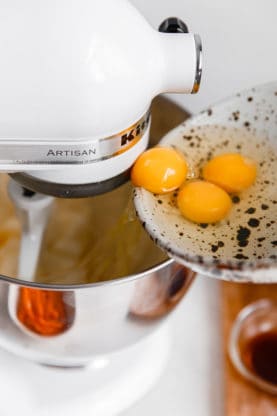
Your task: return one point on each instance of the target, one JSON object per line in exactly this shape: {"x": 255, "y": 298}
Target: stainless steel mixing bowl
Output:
{"x": 100, "y": 283}
{"x": 90, "y": 320}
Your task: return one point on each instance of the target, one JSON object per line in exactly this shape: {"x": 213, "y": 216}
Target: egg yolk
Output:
{"x": 232, "y": 172}
{"x": 159, "y": 170}
{"x": 203, "y": 202}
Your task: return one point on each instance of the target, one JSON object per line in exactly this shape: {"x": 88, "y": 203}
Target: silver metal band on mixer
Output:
{"x": 36, "y": 151}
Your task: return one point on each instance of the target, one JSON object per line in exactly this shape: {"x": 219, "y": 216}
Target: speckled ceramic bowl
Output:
{"x": 243, "y": 246}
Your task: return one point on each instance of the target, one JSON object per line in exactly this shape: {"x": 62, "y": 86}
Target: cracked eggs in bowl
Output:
{"x": 243, "y": 245}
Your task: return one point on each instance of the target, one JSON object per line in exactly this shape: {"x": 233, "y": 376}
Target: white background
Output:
{"x": 239, "y": 42}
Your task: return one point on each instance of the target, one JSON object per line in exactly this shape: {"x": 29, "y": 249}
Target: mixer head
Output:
{"x": 76, "y": 85}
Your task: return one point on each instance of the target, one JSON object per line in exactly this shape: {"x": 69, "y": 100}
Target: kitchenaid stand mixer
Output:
{"x": 76, "y": 85}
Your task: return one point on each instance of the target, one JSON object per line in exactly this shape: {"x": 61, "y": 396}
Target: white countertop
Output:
{"x": 192, "y": 381}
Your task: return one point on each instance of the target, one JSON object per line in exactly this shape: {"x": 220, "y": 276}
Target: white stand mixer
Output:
{"x": 76, "y": 84}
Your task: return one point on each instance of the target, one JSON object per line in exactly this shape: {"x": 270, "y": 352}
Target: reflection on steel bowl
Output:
{"x": 101, "y": 284}
{"x": 156, "y": 297}
{"x": 108, "y": 316}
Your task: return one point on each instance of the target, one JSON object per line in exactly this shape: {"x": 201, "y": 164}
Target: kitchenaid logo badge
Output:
{"x": 71, "y": 153}
{"x": 135, "y": 132}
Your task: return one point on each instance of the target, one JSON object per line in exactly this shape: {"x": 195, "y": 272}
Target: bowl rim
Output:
{"x": 73, "y": 287}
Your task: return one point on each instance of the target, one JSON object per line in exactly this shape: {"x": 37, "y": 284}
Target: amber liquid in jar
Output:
{"x": 259, "y": 355}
